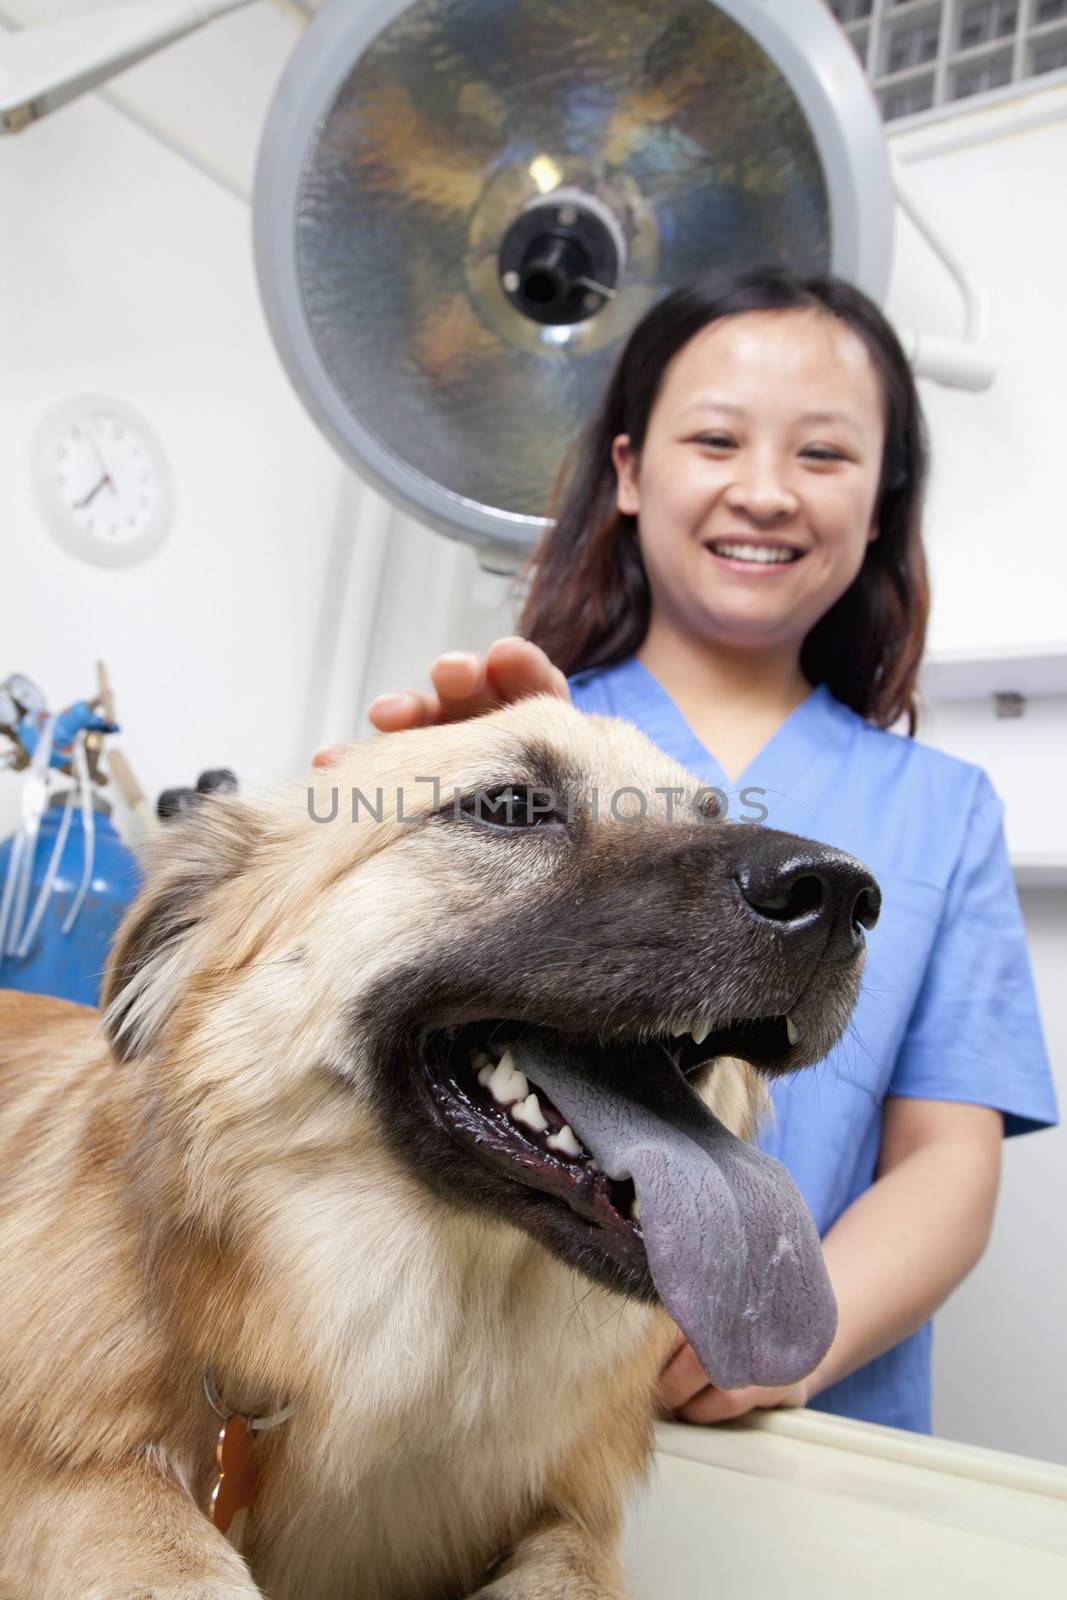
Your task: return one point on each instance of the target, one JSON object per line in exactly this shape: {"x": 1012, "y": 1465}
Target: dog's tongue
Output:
{"x": 731, "y": 1245}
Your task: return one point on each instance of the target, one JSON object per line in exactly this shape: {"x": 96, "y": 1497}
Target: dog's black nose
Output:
{"x": 812, "y": 894}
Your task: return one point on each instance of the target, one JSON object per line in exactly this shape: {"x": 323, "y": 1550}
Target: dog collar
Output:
{"x": 236, "y": 1475}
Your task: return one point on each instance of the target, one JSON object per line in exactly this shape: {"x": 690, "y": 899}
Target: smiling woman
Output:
{"x": 754, "y": 517}
{"x": 737, "y": 567}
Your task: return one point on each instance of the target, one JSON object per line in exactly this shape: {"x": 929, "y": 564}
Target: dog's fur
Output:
{"x": 231, "y": 1172}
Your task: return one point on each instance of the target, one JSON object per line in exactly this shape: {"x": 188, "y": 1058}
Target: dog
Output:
{"x": 417, "y": 1092}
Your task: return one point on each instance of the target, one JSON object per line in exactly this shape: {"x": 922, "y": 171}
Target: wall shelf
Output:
{"x": 1040, "y": 669}
{"x": 1039, "y": 871}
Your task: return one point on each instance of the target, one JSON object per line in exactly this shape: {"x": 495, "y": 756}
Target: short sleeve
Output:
{"x": 975, "y": 1032}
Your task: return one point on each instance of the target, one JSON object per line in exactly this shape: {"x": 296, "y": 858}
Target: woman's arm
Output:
{"x": 894, "y": 1256}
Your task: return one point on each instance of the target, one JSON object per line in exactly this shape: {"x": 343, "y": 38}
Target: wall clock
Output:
{"x": 102, "y": 481}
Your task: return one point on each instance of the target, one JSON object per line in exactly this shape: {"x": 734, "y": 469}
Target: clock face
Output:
{"x": 102, "y": 481}
{"x": 107, "y": 478}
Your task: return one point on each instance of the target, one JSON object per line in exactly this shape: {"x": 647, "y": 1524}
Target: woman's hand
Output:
{"x": 465, "y": 685}
{"x": 684, "y": 1391}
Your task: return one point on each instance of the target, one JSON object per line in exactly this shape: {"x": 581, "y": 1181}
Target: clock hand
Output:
{"x": 79, "y": 505}
{"x": 103, "y": 464}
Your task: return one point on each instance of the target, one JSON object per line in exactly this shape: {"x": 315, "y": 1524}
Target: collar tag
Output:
{"x": 236, "y": 1477}
{"x": 237, "y": 1481}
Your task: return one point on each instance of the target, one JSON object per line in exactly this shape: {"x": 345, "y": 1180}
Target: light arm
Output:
{"x": 43, "y": 67}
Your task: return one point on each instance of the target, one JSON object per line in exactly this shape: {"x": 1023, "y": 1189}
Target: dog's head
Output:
{"x": 519, "y": 957}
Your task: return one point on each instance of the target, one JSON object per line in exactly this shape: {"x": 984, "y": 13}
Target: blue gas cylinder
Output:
{"x": 71, "y": 965}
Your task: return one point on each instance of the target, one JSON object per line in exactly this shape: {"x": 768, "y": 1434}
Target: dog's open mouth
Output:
{"x": 510, "y": 1122}
{"x": 616, "y": 1137}
{"x": 493, "y": 1109}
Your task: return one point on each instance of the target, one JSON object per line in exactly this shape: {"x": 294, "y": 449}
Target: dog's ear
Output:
{"x": 186, "y": 866}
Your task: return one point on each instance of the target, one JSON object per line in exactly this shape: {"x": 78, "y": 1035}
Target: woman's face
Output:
{"x": 755, "y": 487}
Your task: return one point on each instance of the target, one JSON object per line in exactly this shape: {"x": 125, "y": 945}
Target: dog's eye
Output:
{"x": 514, "y": 806}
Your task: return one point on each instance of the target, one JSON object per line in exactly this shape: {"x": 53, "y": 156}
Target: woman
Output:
{"x": 737, "y": 568}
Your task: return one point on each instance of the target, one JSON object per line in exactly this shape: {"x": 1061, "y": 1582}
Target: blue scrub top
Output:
{"x": 947, "y": 1009}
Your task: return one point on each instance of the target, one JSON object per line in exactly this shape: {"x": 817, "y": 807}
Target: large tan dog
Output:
{"x": 294, "y": 1165}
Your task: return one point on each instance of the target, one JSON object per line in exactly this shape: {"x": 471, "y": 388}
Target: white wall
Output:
{"x": 434, "y": 597}
{"x": 1000, "y": 1378}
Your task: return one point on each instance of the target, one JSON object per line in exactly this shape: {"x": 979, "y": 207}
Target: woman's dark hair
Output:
{"x": 588, "y": 604}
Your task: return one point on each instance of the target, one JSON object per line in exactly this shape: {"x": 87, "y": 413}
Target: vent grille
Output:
{"x": 925, "y": 54}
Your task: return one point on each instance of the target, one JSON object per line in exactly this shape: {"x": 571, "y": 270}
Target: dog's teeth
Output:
{"x": 529, "y": 1112}
{"x": 791, "y": 1031}
{"x": 564, "y": 1141}
{"x": 485, "y": 1074}
{"x": 692, "y": 1025}
{"x": 507, "y": 1084}
{"x": 481, "y": 1058}
{"x": 635, "y": 1209}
